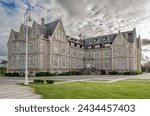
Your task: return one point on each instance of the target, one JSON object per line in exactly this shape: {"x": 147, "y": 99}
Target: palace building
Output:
{"x": 51, "y": 50}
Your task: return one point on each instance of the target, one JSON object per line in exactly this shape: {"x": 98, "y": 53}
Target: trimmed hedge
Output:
{"x": 39, "y": 74}
{"x": 45, "y": 74}
{"x": 15, "y": 74}
{"x": 113, "y": 73}
{"x": 38, "y": 81}
{"x": 103, "y": 72}
{"x": 42, "y": 81}
{"x": 49, "y": 81}
{"x": 69, "y": 73}
{"x": 132, "y": 73}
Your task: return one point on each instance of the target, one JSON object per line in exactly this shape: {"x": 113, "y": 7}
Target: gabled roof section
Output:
{"x": 24, "y": 28}
{"x": 41, "y": 28}
{"x": 100, "y": 40}
{"x": 109, "y": 38}
{"x": 15, "y": 33}
{"x": 47, "y": 29}
{"x": 130, "y": 35}
{"x": 51, "y": 27}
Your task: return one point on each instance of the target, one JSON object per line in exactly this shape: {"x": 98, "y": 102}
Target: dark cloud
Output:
{"x": 3, "y": 52}
{"x": 75, "y": 8}
{"x": 145, "y": 42}
{"x": 145, "y": 50}
{"x": 89, "y": 17}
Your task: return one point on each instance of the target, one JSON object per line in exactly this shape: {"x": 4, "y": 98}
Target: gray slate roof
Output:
{"x": 47, "y": 29}
{"x": 51, "y": 27}
{"x": 108, "y": 39}
{"x": 41, "y": 28}
{"x": 15, "y": 33}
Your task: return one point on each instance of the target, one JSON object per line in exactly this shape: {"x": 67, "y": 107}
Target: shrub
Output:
{"x": 103, "y": 72}
{"x": 2, "y": 70}
{"x": 113, "y": 73}
{"x": 38, "y": 81}
{"x": 132, "y": 73}
{"x": 39, "y": 74}
{"x": 69, "y": 73}
{"x": 49, "y": 81}
{"x": 62, "y": 74}
{"x": 15, "y": 74}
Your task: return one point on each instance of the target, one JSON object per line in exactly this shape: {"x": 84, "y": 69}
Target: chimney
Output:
{"x": 42, "y": 21}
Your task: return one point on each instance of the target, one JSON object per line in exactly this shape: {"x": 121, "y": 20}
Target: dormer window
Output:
{"x": 83, "y": 42}
{"x": 89, "y": 47}
{"x": 69, "y": 43}
{"x": 97, "y": 46}
{"x": 129, "y": 34}
{"x": 104, "y": 38}
{"x": 78, "y": 45}
{"x": 72, "y": 44}
{"x": 75, "y": 44}
{"x": 107, "y": 45}
{"x": 34, "y": 33}
{"x": 95, "y": 40}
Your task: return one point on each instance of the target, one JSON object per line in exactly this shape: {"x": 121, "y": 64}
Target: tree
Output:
{"x": 146, "y": 67}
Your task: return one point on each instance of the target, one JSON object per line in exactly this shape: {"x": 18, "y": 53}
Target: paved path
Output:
{"x": 145, "y": 76}
{"x": 10, "y": 90}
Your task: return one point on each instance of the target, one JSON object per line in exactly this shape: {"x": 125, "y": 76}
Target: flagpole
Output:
{"x": 27, "y": 19}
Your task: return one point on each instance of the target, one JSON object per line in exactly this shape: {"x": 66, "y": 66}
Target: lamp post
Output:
{"x": 27, "y": 18}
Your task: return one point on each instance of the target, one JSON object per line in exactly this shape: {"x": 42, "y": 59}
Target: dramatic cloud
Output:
{"x": 86, "y": 17}
{"x": 145, "y": 42}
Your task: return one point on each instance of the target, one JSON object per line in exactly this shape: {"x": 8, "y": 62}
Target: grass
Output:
{"x": 95, "y": 90}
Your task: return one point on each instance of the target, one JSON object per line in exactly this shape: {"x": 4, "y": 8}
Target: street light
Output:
{"x": 27, "y": 19}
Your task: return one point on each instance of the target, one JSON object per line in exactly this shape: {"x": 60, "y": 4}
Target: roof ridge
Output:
{"x": 40, "y": 24}
{"x": 53, "y": 21}
{"x": 110, "y": 34}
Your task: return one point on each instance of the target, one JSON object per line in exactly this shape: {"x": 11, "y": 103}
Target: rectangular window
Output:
{"x": 56, "y": 47}
{"x": 106, "y": 65}
{"x": 107, "y": 45}
{"x": 97, "y": 54}
{"x": 119, "y": 63}
{"x": 89, "y": 47}
{"x": 97, "y": 46}
{"x": 106, "y": 53}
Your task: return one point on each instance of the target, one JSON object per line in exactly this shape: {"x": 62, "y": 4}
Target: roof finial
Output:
{"x": 42, "y": 21}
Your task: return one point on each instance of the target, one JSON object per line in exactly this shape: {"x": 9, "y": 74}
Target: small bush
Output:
{"x": 39, "y": 74}
{"x": 49, "y": 81}
{"x": 103, "y": 72}
{"x": 132, "y": 73}
{"x": 15, "y": 74}
{"x": 62, "y": 74}
{"x": 38, "y": 81}
{"x": 69, "y": 73}
{"x": 113, "y": 73}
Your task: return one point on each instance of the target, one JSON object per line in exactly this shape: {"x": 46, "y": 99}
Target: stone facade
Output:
{"x": 50, "y": 49}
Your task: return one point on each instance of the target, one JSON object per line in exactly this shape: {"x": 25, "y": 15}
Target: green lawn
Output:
{"x": 94, "y": 90}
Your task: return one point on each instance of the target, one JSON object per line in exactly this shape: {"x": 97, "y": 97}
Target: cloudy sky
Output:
{"x": 86, "y": 17}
